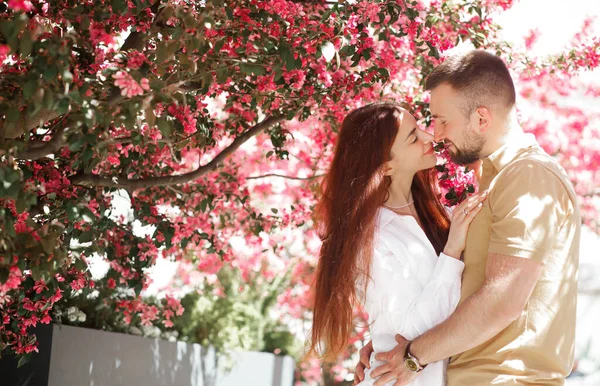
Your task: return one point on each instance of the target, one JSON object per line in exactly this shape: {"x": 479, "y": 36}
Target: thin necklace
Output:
{"x": 399, "y": 207}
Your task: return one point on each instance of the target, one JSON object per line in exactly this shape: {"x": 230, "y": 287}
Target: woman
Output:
{"x": 388, "y": 243}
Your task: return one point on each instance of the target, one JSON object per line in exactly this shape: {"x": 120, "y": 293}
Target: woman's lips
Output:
{"x": 430, "y": 151}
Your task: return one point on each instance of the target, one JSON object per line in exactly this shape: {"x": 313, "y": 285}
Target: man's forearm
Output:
{"x": 475, "y": 321}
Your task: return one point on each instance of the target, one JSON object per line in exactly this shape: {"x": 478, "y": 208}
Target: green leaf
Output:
{"x": 36, "y": 272}
{"x": 119, "y": 6}
{"x": 250, "y": 68}
{"x": 85, "y": 22}
{"x": 184, "y": 242}
{"x": 434, "y": 52}
{"x": 451, "y": 195}
{"x": 161, "y": 52}
{"x": 222, "y": 74}
{"x": 278, "y": 73}
{"x": 48, "y": 99}
{"x": 9, "y": 227}
{"x": 291, "y": 114}
{"x": 150, "y": 116}
{"x": 156, "y": 84}
{"x": 87, "y": 155}
{"x": 4, "y": 272}
{"x": 25, "y": 43}
{"x": 8, "y": 28}
{"x": 50, "y": 73}
{"x": 48, "y": 244}
{"x": 367, "y": 54}
{"x": 72, "y": 213}
{"x": 207, "y": 80}
{"x": 165, "y": 127}
{"x": 385, "y": 74}
{"x": 13, "y": 114}
{"x": 77, "y": 144}
{"x": 298, "y": 63}
{"x": 29, "y": 88}
{"x": 75, "y": 96}
{"x": 23, "y": 360}
{"x": 138, "y": 288}
{"x": 86, "y": 237}
{"x": 274, "y": 210}
{"x": 63, "y": 106}
{"x": 218, "y": 45}
{"x": 23, "y": 203}
{"x": 288, "y": 58}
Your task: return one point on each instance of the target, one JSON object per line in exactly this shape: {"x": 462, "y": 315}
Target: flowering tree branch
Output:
{"x": 40, "y": 149}
{"x": 94, "y": 180}
{"x": 136, "y": 40}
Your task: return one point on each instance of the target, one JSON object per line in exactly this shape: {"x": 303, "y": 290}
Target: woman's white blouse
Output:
{"x": 411, "y": 291}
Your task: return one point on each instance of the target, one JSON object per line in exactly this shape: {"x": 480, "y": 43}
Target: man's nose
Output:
{"x": 438, "y": 135}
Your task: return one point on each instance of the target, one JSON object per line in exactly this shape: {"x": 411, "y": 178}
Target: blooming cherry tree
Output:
{"x": 216, "y": 120}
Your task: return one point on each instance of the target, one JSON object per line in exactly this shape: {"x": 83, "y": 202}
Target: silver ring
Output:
{"x": 465, "y": 212}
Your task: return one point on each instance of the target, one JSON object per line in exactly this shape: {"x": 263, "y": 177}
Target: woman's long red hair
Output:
{"x": 352, "y": 191}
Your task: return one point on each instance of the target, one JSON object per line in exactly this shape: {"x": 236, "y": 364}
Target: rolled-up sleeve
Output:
{"x": 527, "y": 212}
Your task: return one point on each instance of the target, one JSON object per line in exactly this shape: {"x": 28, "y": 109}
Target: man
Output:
{"x": 515, "y": 323}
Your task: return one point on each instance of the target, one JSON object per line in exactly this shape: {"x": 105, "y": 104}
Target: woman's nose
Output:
{"x": 427, "y": 138}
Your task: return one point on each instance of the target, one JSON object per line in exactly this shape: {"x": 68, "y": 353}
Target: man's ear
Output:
{"x": 484, "y": 118}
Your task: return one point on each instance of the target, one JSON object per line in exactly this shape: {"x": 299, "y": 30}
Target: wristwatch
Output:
{"x": 411, "y": 362}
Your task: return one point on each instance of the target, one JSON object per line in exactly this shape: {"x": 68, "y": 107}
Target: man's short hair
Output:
{"x": 481, "y": 79}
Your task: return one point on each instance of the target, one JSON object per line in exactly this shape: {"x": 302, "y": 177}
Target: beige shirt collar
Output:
{"x": 509, "y": 151}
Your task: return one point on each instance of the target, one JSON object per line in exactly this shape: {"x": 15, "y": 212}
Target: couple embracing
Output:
{"x": 484, "y": 295}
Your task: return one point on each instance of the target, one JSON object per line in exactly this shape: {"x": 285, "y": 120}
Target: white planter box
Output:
{"x": 79, "y": 356}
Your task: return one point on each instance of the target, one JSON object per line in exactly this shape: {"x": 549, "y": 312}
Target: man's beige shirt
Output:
{"x": 531, "y": 212}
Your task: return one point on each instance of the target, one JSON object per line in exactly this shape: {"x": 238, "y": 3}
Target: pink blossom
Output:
{"x": 4, "y": 51}
{"x": 20, "y": 5}
{"x": 129, "y": 86}
{"x": 136, "y": 59}
{"x": 14, "y": 280}
{"x": 185, "y": 116}
{"x": 114, "y": 159}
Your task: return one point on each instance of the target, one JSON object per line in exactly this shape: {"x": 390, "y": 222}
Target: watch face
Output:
{"x": 411, "y": 364}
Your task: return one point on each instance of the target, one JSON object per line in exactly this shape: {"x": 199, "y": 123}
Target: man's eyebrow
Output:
{"x": 436, "y": 116}
{"x": 411, "y": 133}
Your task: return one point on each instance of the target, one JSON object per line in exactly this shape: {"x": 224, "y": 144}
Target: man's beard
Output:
{"x": 473, "y": 145}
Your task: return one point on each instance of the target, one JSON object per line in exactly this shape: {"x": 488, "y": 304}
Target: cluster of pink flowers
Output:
{"x": 185, "y": 116}
{"x": 172, "y": 307}
{"x": 456, "y": 182}
{"x": 148, "y": 313}
{"x": 99, "y": 35}
{"x": 129, "y": 86}
{"x": 25, "y": 311}
{"x": 15, "y": 277}
{"x": 20, "y": 5}
{"x": 135, "y": 60}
